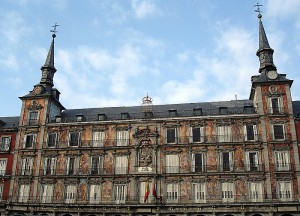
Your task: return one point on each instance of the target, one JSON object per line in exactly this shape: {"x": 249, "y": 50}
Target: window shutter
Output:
{"x": 255, "y": 132}
{"x": 245, "y": 133}
{"x": 202, "y": 134}
{"x": 193, "y": 163}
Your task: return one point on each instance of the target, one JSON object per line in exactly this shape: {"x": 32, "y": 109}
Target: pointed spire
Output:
{"x": 48, "y": 69}
{"x": 264, "y": 52}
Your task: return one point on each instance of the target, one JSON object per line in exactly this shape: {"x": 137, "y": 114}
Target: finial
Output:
{"x": 54, "y": 30}
{"x": 258, "y": 10}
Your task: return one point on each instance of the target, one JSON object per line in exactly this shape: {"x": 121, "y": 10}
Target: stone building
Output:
{"x": 236, "y": 157}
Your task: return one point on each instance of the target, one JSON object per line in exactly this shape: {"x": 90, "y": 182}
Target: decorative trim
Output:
{"x": 34, "y": 106}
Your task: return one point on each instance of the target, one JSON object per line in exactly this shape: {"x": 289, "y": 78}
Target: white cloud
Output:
{"x": 278, "y": 8}
{"x": 144, "y": 8}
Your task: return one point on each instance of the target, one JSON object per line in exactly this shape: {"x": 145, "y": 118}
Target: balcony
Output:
{"x": 276, "y": 111}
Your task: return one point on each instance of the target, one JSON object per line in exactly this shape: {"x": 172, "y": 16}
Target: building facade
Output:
{"x": 236, "y": 157}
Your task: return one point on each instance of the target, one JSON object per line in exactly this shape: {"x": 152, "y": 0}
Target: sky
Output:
{"x": 113, "y": 52}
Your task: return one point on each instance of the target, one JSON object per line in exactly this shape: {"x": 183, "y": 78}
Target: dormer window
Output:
{"x": 125, "y": 116}
{"x": 79, "y": 117}
{"x": 248, "y": 109}
{"x": 148, "y": 114}
{"x": 58, "y": 118}
{"x": 197, "y": 111}
{"x": 102, "y": 117}
{"x": 33, "y": 118}
{"x": 223, "y": 110}
{"x": 172, "y": 112}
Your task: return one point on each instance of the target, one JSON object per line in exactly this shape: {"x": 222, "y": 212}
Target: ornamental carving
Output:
{"x": 145, "y": 153}
{"x": 146, "y": 132}
{"x": 34, "y": 106}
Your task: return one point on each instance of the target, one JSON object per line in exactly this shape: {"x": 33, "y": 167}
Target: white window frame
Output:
{"x": 284, "y": 190}
{"x": 255, "y": 191}
{"x": 23, "y": 195}
{"x": 122, "y": 138}
{"x": 199, "y": 192}
{"x": 33, "y": 121}
{"x": 71, "y": 193}
{"x": 246, "y": 135}
{"x": 94, "y": 193}
{"x": 282, "y": 160}
{"x": 202, "y": 168}
{"x": 27, "y": 166}
{"x": 120, "y": 193}
{"x": 279, "y": 104}
{"x": 142, "y": 190}
{"x": 97, "y": 169}
{"x": 98, "y": 138}
{"x": 172, "y": 163}
{"x": 5, "y": 143}
{"x": 1, "y": 191}
{"x": 47, "y": 193}
{"x": 167, "y": 136}
{"x": 224, "y": 133}
{"x": 201, "y": 133}
{"x": 77, "y": 142}
{"x": 228, "y": 192}
{"x": 172, "y": 190}
{"x": 32, "y": 142}
{"x": 55, "y": 139}
{"x": 75, "y": 168}
{"x": 3, "y": 165}
{"x": 283, "y": 132}
{"x": 230, "y": 162}
{"x": 49, "y": 165}
{"x": 121, "y": 164}
{"x": 256, "y": 165}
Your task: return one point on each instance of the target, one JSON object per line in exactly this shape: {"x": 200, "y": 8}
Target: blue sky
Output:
{"x": 114, "y": 52}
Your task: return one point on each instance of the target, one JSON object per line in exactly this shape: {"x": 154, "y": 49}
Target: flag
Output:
{"x": 147, "y": 190}
{"x": 154, "y": 193}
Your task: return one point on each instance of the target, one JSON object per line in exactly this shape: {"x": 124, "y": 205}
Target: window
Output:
{"x": 46, "y": 193}
{"x": 33, "y": 118}
{"x": 96, "y": 164}
{"x": 74, "y": 139}
{"x": 224, "y": 133}
{"x": 95, "y": 193}
{"x": 5, "y": 143}
{"x": 197, "y": 134}
{"x": 172, "y": 193}
{"x": 227, "y": 192}
{"x": 120, "y": 193}
{"x": 250, "y": 133}
{"x": 3, "y": 163}
{"x": 226, "y": 161}
{"x": 23, "y": 192}
{"x": 198, "y": 162}
{"x": 71, "y": 193}
{"x": 143, "y": 188}
{"x": 27, "y": 164}
{"x": 284, "y": 190}
{"x": 121, "y": 165}
{"x": 122, "y": 138}
{"x": 172, "y": 164}
{"x": 49, "y": 165}
{"x": 282, "y": 160}
{"x": 1, "y": 191}
{"x": 252, "y": 161}
{"x": 255, "y": 192}
{"x": 72, "y": 165}
{"x": 275, "y": 105}
{"x": 29, "y": 140}
{"x": 98, "y": 139}
{"x": 199, "y": 192}
{"x": 171, "y": 136}
{"x": 278, "y": 132}
{"x": 51, "y": 140}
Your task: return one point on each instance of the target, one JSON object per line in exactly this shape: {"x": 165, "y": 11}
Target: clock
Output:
{"x": 37, "y": 90}
{"x": 272, "y": 74}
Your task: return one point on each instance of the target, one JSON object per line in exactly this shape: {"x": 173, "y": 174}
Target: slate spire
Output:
{"x": 264, "y": 52}
{"x": 48, "y": 69}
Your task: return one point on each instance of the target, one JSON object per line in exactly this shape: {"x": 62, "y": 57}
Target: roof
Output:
{"x": 296, "y": 108}
{"x": 9, "y": 122}
{"x": 163, "y": 111}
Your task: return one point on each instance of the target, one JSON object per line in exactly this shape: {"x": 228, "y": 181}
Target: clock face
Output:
{"x": 272, "y": 74}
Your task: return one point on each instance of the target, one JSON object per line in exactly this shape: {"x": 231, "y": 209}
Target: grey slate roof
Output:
{"x": 296, "y": 108}
{"x": 9, "y": 122}
{"x": 162, "y": 111}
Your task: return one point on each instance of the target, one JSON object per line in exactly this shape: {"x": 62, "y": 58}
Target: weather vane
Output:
{"x": 258, "y": 8}
{"x": 54, "y": 29}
